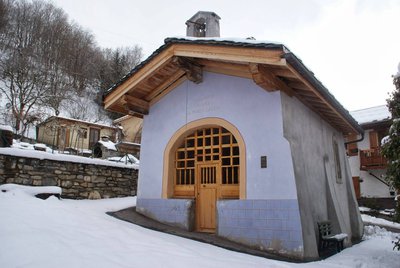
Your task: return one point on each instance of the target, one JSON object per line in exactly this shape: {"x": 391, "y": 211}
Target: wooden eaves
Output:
{"x": 271, "y": 66}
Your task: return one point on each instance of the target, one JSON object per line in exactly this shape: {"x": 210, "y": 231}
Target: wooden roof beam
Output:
{"x": 263, "y": 77}
{"x": 193, "y": 70}
{"x": 159, "y": 89}
{"x": 142, "y": 74}
{"x": 237, "y": 54}
{"x": 135, "y": 105}
{"x": 284, "y": 73}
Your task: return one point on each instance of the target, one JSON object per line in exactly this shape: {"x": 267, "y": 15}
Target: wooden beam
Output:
{"x": 284, "y": 73}
{"x": 135, "y": 105}
{"x": 260, "y": 79}
{"x": 263, "y": 77}
{"x": 237, "y": 54}
{"x": 226, "y": 68}
{"x": 155, "y": 64}
{"x": 298, "y": 85}
{"x": 168, "y": 89}
{"x": 192, "y": 69}
{"x": 176, "y": 76}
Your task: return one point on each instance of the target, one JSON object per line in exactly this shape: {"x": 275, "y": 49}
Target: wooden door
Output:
{"x": 94, "y": 136}
{"x": 207, "y": 183}
{"x": 67, "y": 137}
{"x": 356, "y": 183}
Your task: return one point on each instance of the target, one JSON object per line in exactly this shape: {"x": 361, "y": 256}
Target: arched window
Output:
{"x": 208, "y": 150}
{"x": 213, "y": 147}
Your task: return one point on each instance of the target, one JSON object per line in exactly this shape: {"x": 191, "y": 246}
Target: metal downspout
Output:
{"x": 354, "y": 141}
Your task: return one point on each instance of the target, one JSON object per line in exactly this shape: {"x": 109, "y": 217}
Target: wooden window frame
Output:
{"x": 176, "y": 141}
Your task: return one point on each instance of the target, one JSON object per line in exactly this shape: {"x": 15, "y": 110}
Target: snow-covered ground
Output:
{"x": 24, "y": 149}
{"x": 78, "y": 233}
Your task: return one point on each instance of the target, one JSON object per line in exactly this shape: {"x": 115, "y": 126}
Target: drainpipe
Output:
{"x": 358, "y": 140}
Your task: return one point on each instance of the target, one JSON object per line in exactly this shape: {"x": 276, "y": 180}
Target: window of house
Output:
{"x": 375, "y": 137}
{"x": 205, "y": 145}
{"x": 352, "y": 148}
{"x": 336, "y": 158}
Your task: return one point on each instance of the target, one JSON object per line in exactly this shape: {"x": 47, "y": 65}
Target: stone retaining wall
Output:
{"x": 77, "y": 180}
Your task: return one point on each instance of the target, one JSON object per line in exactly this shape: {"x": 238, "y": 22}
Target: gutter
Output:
{"x": 354, "y": 141}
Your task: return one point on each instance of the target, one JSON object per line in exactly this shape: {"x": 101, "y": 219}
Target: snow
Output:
{"x": 385, "y": 140}
{"x": 125, "y": 159}
{"x": 108, "y": 144}
{"x": 372, "y": 114}
{"x": 31, "y": 190}
{"x": 228, "y": 39}
{"x": 364, "y": 209}
{"x": 340, "y": 236}
{"x": 78, "y": 233}
{"x": 6, "y": 128}
{"x": 62, "y": 157}
{"x": 82, "y": 121}
{"x": 382, "y": 222}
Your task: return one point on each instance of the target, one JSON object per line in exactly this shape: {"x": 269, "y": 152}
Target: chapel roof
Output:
{"x": 271, "y": 65}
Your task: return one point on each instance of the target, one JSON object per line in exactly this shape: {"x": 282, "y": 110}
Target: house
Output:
{"x": 130, "y": 134}
{"x": 368, "y": 166}
{"x": 131, "y": 128}
{"x": 72, "y": 134}
{"x": 239, "y": 139}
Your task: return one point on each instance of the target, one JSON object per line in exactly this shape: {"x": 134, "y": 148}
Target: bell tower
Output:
{"x": 203, "y": 24}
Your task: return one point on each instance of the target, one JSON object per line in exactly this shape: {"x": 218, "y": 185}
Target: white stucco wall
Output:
{"x": 256, "y": 113}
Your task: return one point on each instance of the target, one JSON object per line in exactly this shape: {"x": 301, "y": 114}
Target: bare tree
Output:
{"x": 21, "y": 70}
{"x": 45, "y": 61}
{"x": 3, "y": 14}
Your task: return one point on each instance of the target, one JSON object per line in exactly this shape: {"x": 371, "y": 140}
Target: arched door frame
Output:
{"x": 178, "y": 138}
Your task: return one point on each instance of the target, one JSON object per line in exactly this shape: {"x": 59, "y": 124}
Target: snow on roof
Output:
{"x": 77, "y": 120}
{"x": 108, "y": 144}
{"x": 62, "y": 157}
{"x": 372, "y": 114}
{"x": 6, "y": 127}
{"x": 249, "y": 40}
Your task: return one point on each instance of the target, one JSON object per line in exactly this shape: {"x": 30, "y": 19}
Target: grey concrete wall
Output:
{"x": 77, "y": 180}
{"x": 321, "y": 196}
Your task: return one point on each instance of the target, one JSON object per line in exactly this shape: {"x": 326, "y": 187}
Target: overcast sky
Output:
{"x": 353, "y": 47}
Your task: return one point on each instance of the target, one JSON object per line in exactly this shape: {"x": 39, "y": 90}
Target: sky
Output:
{"x": 352, "y": 46}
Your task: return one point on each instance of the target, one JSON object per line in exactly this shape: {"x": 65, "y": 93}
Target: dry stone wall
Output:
{"x": 77, "y": 180}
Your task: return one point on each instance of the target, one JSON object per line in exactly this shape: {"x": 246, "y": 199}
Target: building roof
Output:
{"x": 270, "y": 64}
{"x": 372, "y": 114}
{"x": 51, "y": 118}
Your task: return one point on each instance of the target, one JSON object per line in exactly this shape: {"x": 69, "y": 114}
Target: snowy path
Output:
{"x": 70, "y": 233}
